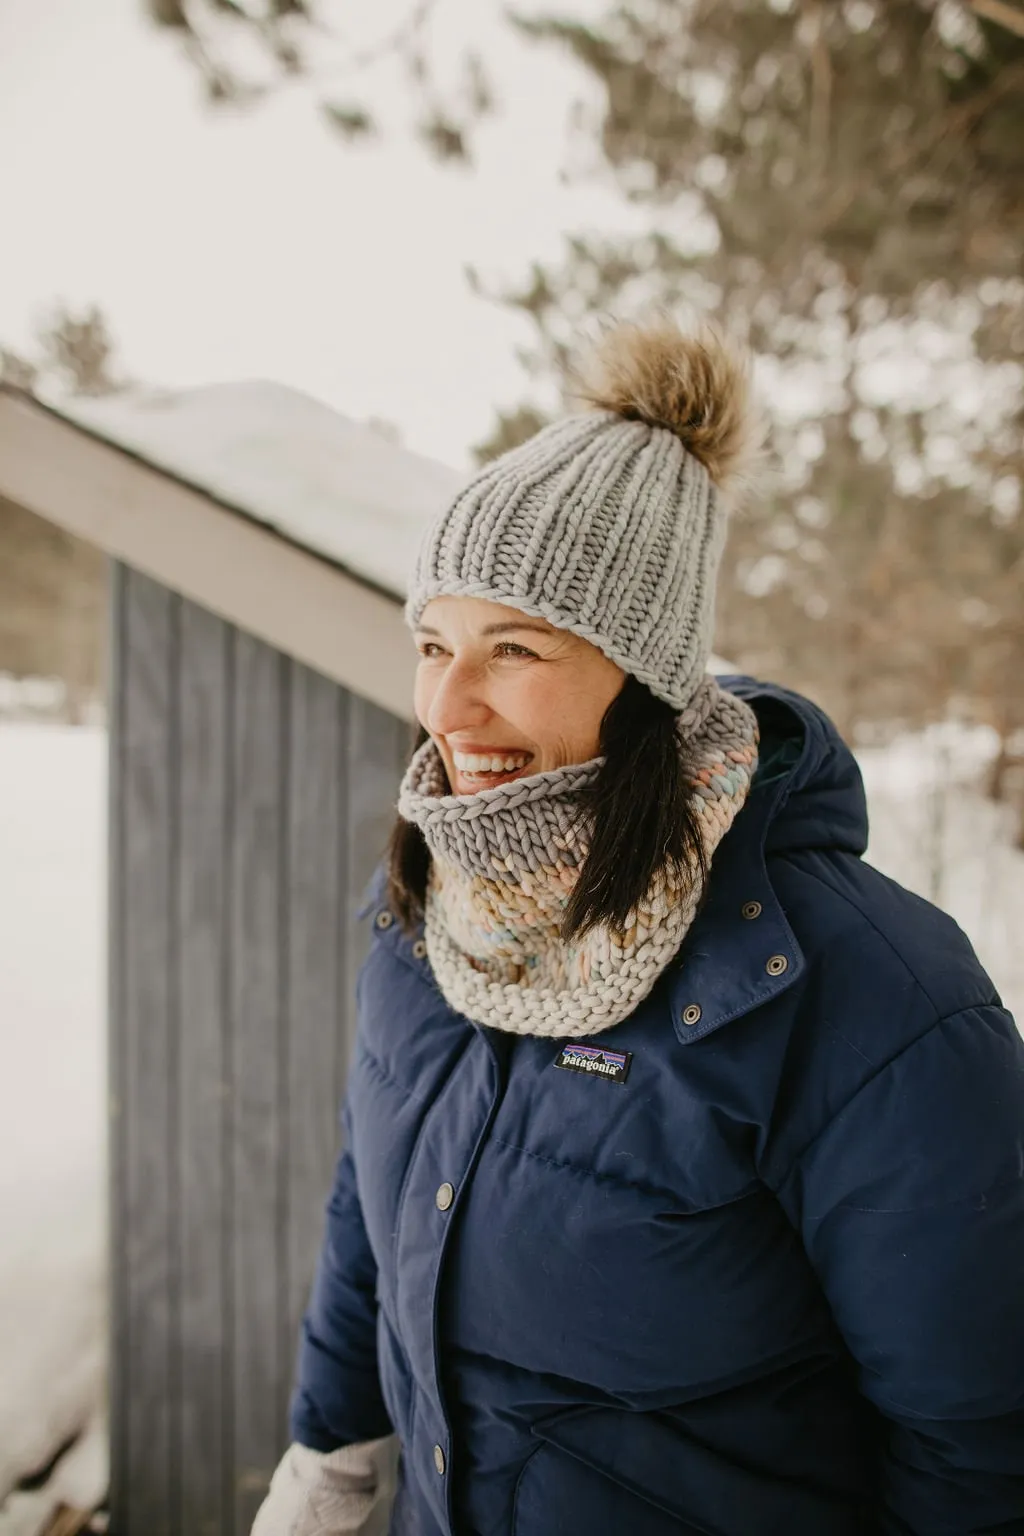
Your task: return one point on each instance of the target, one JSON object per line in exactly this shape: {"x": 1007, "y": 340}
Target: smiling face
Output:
{"x": 490, "y": 699}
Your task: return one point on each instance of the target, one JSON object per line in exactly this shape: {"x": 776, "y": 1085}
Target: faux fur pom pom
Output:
{"x": 695, "y": 385}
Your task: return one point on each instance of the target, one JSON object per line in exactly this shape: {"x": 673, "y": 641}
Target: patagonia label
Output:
{"x": 596, "y": 1062}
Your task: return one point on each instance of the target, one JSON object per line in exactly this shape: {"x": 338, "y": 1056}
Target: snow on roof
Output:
{"x": 340, "y": 489}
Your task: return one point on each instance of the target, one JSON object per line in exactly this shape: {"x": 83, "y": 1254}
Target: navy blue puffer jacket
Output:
{"x": 772, "y": 1284}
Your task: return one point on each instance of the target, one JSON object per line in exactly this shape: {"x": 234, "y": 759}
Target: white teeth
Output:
{"x": 473, "y": 764}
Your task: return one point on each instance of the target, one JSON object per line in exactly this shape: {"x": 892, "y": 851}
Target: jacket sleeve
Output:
{"x": 337, "y": 1399}
{"x": 911, "y": 1208}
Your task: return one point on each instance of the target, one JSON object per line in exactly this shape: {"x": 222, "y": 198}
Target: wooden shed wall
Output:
{"x": 250, "y": 800}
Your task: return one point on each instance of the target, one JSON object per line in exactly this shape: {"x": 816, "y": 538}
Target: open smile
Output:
{"x": 476, "y": 777}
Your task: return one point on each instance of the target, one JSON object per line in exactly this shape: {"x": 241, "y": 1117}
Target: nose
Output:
{"x": 456, "y": 701}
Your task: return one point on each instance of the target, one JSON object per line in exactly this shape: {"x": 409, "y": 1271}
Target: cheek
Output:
{"x": 577, "y": 712}
{"x": 555, "y": 716}
{"x": 578, "y": 727}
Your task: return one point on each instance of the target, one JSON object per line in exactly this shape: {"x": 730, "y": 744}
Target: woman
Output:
{"x": 684, "y": 1179}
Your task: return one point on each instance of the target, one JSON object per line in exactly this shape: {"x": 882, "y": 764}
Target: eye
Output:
{"x": 508, "y": 646}
{"x": 519, "y": 650}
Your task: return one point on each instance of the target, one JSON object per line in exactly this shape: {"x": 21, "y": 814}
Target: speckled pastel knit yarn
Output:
{"x": 606, "y": 527}
{"x": 504, "y": 863}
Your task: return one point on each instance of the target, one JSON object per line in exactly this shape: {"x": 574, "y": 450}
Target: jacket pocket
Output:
{"x": 556, "y": 1494}
{"x": 638, "y": 1472}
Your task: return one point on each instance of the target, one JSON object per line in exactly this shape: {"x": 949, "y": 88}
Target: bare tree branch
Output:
{"x": 821, "y": 78}
{"x": 1004, "y": 15}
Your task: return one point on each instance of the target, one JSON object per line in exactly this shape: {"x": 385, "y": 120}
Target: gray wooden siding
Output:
{"x": 250, "y": 800}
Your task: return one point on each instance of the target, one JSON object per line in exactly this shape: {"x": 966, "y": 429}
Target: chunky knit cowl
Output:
{"x": 504, "y": 862}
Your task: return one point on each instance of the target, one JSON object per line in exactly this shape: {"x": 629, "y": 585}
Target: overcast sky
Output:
{"x": 260, "y": 245}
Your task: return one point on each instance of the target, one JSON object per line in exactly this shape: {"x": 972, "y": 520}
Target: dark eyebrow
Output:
{"x": 491, "y": 629}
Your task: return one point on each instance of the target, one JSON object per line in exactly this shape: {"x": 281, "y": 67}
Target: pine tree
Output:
{"x": 843, "y": 186}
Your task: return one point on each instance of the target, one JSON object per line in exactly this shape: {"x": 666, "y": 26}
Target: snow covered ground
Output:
{"x": 52, "y": 1102}
{"x": 930, "y": 829}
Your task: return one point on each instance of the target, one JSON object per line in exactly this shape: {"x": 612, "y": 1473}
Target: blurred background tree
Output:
{"x": 74, "y": 353}
{"x": 841, "y": 184}
{"x": 53, "y": 586}
{"x": 245, "y": 50}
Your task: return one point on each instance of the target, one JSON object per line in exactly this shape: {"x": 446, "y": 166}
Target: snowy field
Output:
{"x": 930, "y": 830}
{"x": 52, "y": 1101}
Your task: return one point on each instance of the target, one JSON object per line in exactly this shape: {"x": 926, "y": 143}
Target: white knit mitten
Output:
{"x": 347, "y": 1492}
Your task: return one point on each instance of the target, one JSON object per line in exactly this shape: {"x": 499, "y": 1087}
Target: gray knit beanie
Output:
{"x": 611, "y": 523}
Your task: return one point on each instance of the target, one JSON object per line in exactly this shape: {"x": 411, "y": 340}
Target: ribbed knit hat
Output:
{"x": 611, "y": 523}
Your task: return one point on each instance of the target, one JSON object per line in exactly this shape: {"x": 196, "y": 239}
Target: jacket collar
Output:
{"x": 741, "y": 951}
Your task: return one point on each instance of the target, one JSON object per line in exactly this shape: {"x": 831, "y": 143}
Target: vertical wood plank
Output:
{"x": 204, "y": 705}
{"x": 117, "y": 1053}
{"x": 259, "y": 944}
{"x": 143, "y": 940}
{"x": 313, "y": 1029}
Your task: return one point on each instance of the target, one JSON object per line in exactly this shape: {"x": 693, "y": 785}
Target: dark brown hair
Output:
{"x": 639, "y": 809}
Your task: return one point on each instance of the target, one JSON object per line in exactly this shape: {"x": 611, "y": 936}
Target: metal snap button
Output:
{"x": 445, "y": 1196}
{"x": 439, "y": 1460}
{"x": 384, "y": 919}
{"x": 419, "y": 949}
{"x": 751, "y": 909}
{"x": 691, "y": 1015}
{"x": 776, "y": 965}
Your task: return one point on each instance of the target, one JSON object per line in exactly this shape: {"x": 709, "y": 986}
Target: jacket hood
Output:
{"x": 807, "y": 770}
